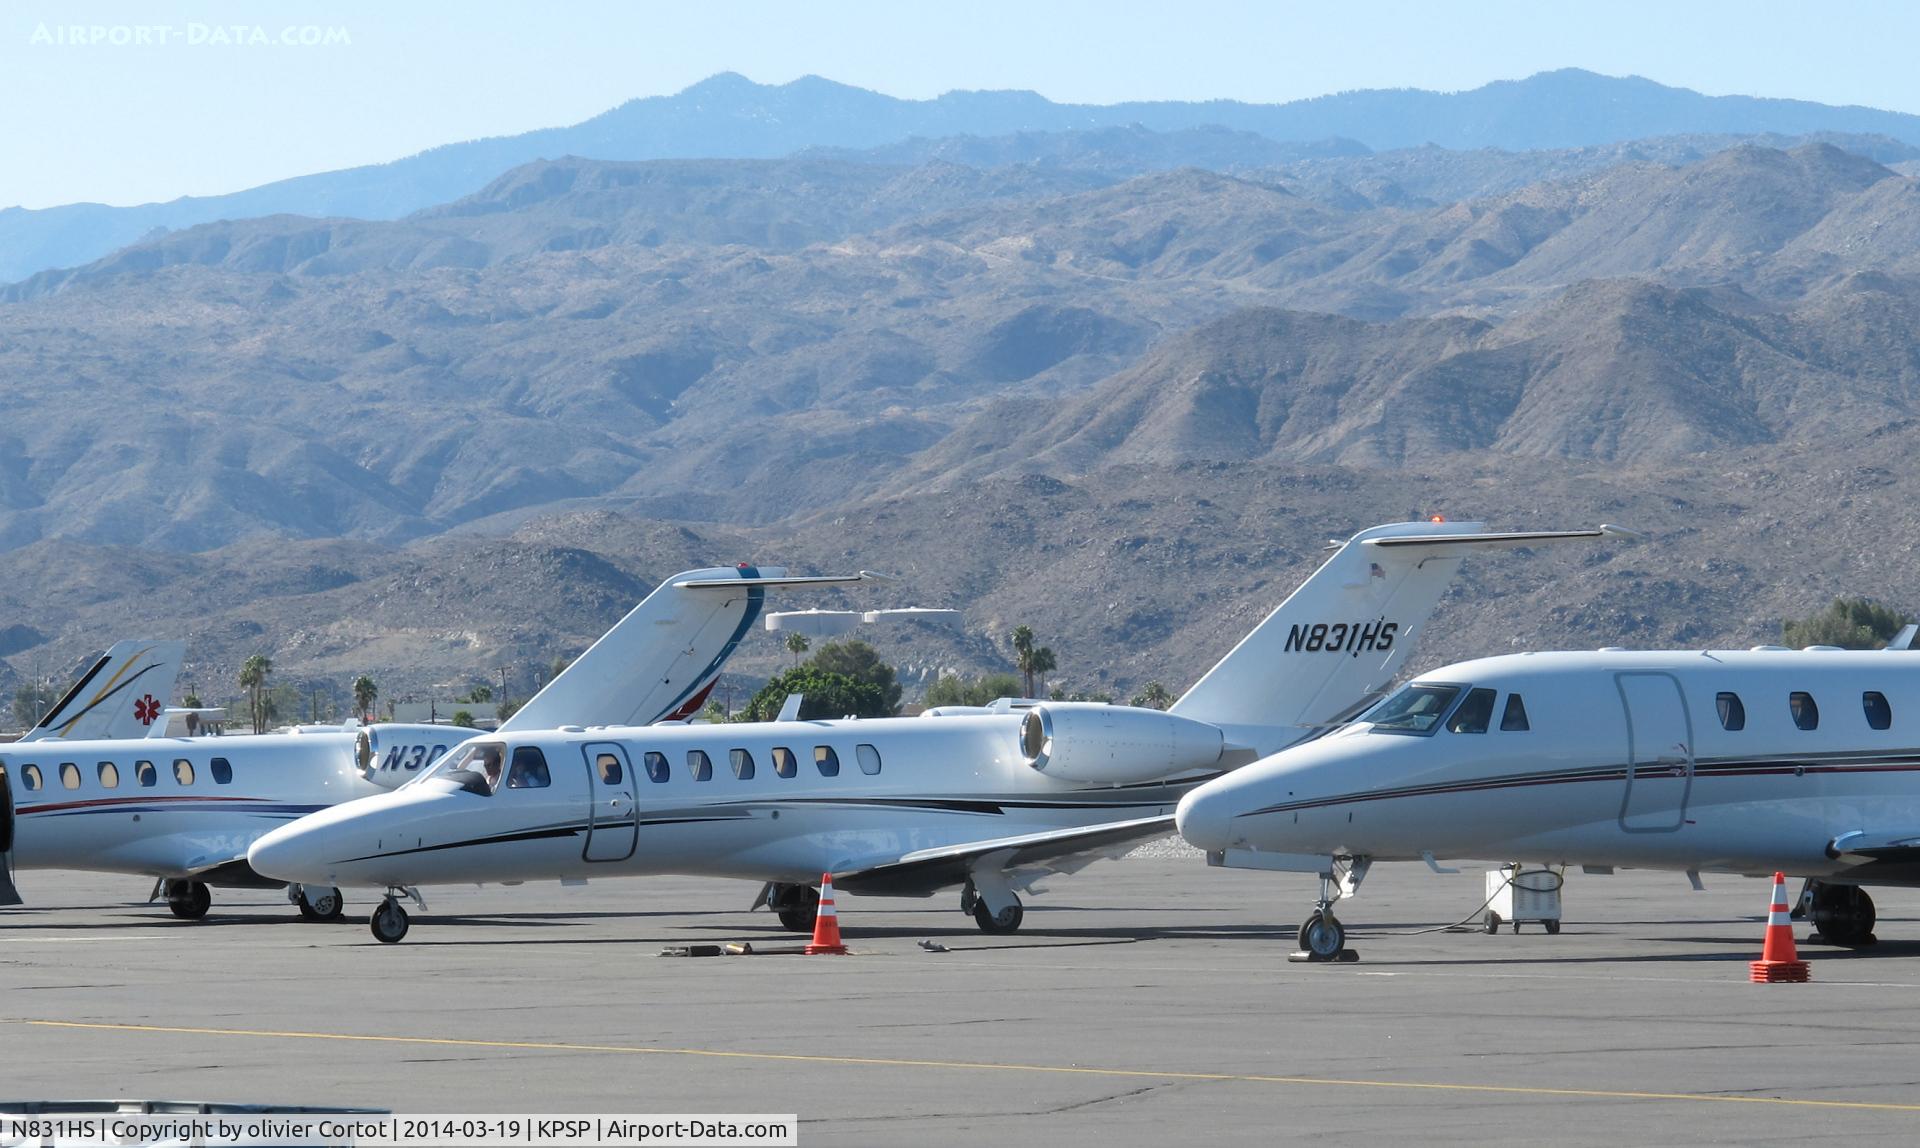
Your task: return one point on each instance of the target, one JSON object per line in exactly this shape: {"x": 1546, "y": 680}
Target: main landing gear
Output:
{"x": 1842, "y": 914}
{"x": 389, "y": 921}
{"x": 1322, "y": 937}
{"x": 797, "y": 906}
{"x": 995, "y": 906}
{"x": 188, "y": 900}
{"x": 317, "y": 904}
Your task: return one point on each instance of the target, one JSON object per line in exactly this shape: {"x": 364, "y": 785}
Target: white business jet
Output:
{"x": 122, "y": 695}
{"x": 899, "y": 806}
{"x": 1802, "y": 761}
{"x": 184, "y": 810}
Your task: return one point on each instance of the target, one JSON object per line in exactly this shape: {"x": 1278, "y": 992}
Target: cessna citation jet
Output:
{"x": 899, "y": 806}
{"x": 184, "y": 810}
{"x": 1801, "y": 761}
{"x": 122, "y": 695}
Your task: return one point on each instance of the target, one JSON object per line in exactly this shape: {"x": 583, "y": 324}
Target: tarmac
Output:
{"x": 1145, "y": 1001}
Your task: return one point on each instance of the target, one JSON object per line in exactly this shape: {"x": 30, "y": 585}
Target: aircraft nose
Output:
{"x": 1205, "y": 818}
{"x": 289, "y": 853}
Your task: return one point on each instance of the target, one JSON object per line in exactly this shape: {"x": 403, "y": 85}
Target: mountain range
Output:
{"x": 729, "y": 116}
{"x": 1118, "y": 382}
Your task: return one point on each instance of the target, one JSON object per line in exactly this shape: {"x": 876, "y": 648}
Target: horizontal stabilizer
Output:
{"x": 769, "y": 582}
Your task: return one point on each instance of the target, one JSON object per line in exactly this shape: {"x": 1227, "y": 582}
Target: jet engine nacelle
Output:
{"x": 390, "y": 754}
{"x": 1103, "y": 744}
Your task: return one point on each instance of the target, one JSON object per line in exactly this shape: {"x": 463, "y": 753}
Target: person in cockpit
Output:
{"x": 490, "y": 763}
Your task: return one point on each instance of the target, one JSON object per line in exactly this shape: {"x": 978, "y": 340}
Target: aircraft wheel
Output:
{"x": 1844, "y": 915}
{"x": 799, "y": 908}
{"x": 1322, "y": 937}
{"x": 327, "y": 906}
{"x": 188, "y": 900}
{"x": 389, "y": 922}
{"x": 1006, "y": 920}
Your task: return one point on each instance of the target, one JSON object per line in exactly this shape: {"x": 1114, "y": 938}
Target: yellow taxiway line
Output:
{"x": 990, "y": 1066}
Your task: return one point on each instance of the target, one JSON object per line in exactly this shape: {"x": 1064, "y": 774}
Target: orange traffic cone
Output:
{"x": 1778, "y": 960}
{"x": 826, "y": 925}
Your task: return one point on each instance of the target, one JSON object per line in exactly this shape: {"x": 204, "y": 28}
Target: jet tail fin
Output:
{"x": 120, "y": 696}
{"x": 1340, "y": 638}
{"x": 660, "y": 661}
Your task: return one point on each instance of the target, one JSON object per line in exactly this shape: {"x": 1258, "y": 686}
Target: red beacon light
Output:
{"x": 1438, "y": 518}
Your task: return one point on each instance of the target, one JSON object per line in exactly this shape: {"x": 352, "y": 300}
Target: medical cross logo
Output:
{"x": 146, "y": 709}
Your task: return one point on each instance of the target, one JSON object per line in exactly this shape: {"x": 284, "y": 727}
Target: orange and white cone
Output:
{"x": 1779, "y": 961}
{"x": 826, "y": 925}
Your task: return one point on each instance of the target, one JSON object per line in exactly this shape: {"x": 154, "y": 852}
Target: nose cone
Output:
{"x": 1205, "y": 816}
{"x": 291, "y": 853}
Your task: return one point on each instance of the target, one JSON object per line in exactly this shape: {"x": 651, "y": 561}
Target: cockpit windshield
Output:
{"x": 482, "y": 759}
{"x": 1415, "y": 708}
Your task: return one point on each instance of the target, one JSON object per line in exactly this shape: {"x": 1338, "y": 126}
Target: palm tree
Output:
{"x": 253, "y": 679}
{"x": 481, "y": 693}
{"x": 1023, "y": 656}
{"x": 1154, "y": 696}
{"x": 1043, "y": 664}
{"x": 797, "y": 643}
{"x": 364, "y": 695}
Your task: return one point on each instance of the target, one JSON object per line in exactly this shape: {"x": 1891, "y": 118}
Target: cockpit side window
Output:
{"x": 1414, "y": 708}
{"x": 1474, "y": 713}
{"x": 529, "y": 769}
{"x": 1513, "y": 719}
{"x": 485, "y": 761}
{"x": 1733, "y": 712}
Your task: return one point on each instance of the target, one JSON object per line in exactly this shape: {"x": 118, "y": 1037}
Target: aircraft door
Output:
{"x": 8, "y": 894}
{"x": 613, "y": 823}
{"x": 1659, "y": 753}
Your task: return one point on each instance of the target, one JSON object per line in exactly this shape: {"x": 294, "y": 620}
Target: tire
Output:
{"x": 328, "y": 906}
{"x": 1492, "y": 926}
{"x": 799, "y": 909}
{"x": 1553, "y": 927}
{"x": 1844, "y": 915}
{"x": 1006, "y": 921}
{"x": 188, "y": 900}
{"x": 1322, "y": 937}
{"x": 969, "y": 899}
{"x": 389, "y": 923}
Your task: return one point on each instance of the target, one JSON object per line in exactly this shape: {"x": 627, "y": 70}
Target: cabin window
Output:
{"x": 784, "y": 763}
{"x": 869, "y": 758}
{"x": 699, "y": 765}
{"x": 1806, "y": 715}
{"x": 1474, "y": 713}
{"x": 1413, "y": 708}
{"x": 742, "y": 764}
{"x": 30, "y": 776}
{"x": 1513, "y": 719}
{"x": 657, "y": 768}
{"x": 1733, "y": 715}
{"x": 610, "y": 771}
{"x": 145, "y": 775}
{"x": 109, "y": 775}
{"x": 222, "y": 771}
{"x": 1879, "y": 713}
{"x": 69, "y": 775}
{"x": 529, "y": 769}
{"x": 183, "y": 771}
{"x": 826, "y": 761}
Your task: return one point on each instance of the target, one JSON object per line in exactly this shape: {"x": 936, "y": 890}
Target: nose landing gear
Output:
{"x": 389, "y": 921}
{"x": 1322, "y": 937}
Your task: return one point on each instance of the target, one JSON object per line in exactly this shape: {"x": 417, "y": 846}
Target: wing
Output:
{"x": 920, "y": 873}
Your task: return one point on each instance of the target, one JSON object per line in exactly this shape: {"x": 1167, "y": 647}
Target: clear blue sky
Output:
{"x": 184, "y": 114}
